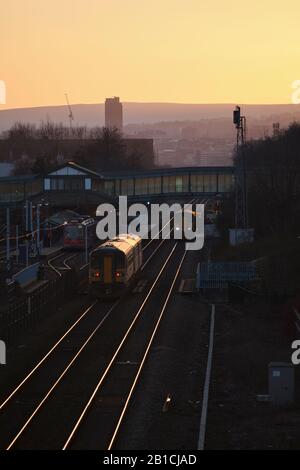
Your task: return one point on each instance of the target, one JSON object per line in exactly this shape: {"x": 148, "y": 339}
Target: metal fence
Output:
{"x": 24, "y": 314}
{"x": 27, "y": 275}
{"x": 218, "y": 275}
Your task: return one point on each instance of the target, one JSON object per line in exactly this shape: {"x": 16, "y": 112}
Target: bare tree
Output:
{"x": 273, "y": 180}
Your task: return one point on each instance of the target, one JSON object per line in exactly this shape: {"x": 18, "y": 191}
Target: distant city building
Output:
{"x": 114, "y": 113}
{"x": 189, "y": 133}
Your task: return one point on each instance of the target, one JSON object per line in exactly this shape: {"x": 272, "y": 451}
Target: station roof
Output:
{"x": 18, "y": 178}
{"x": 123, "y": 174}
{"x": 60, "y": 217}
{"x": 167, "y": 171}
{"x": 73, "y": 169}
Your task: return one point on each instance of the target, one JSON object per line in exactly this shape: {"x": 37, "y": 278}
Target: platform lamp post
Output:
{"x": 26, "y": 216}
{"x": 7, "y": 238}
{"x": 38, "y": 228}
{"x": 48, "y": 227}
{"x": 86, "y": 245}
{"x": 27, "y": 229}
{"x": 17, "y": 244}
{"x": 43, "y": 214}
{"x": 31, "y": 218}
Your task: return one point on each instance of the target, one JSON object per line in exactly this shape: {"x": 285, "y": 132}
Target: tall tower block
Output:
{"x": 114, "y": 113}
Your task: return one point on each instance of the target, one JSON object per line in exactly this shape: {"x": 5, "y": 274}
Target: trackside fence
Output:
{"x": 24, "y": 314}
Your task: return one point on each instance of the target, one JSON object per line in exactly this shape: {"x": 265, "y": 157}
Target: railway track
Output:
{"x": 59, "y": 263}
{"x": 52, "y": 368}
{"x": 95, "y": 428}
{"x": 55, "y": 401}
{"x": 45, "y": 387}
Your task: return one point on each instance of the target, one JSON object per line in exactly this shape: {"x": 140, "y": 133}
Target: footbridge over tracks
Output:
{"x": 72, "y": 185}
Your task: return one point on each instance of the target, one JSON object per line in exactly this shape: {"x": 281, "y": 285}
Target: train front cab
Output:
{"x": 108, "y": 273}
{"x": 79, "y": 233}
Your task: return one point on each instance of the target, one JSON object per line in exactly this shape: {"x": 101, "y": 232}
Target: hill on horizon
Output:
{"x": 92, "y": 115}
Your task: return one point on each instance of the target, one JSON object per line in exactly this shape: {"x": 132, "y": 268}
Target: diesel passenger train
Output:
{"x": 79, "y": 232}
{"x": 114, "y": 265}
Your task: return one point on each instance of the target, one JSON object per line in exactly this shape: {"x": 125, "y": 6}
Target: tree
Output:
{"x": 273, "y": 181}
{"x": 108, "y": 151}
{"x": 23, "y": 166}
{"x": 42, "y": 165}
{"x": 101, "y": 149}
{"x": 20, "y": 132}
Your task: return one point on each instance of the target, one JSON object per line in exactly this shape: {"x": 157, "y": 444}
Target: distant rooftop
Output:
{"x": 6, "y": 169}
{"x": 166, "y": 171}
{"x": 16, "y": 178}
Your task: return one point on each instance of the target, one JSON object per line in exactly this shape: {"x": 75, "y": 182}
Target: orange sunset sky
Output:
{"x": 191, "y": 51}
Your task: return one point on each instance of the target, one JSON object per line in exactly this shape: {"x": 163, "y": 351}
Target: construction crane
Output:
{"x": 70, "y": 116}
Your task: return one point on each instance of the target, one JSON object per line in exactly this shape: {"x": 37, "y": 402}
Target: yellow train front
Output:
{"x": 114, "y": 266}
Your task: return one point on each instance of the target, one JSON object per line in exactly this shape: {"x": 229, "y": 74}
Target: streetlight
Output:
{"x": 86, "y": 246}
{"x": 17, "y": 244}
{"x": 38, "y": 227}
{"x": 8, "y": 237}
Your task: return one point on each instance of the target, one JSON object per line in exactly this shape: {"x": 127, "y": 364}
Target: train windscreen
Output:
{"x": 95, "y": 261}
{"x": 73, "y": 232}
{"x": 119, "y": 260}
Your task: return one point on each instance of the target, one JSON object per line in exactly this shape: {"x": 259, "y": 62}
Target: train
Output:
{"x": 79, "y": 232}
{"x": 114, "y": 266}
